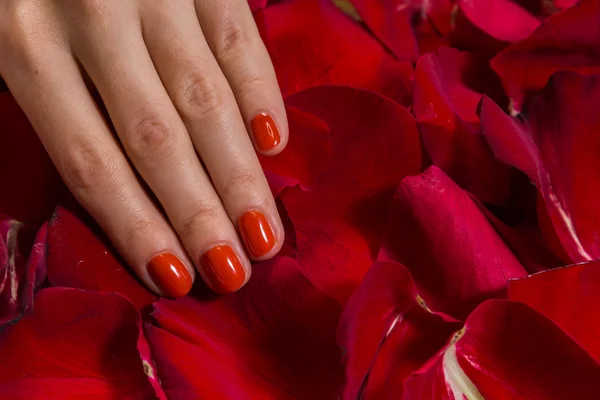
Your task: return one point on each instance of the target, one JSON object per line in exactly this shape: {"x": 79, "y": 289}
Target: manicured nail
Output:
{"x": 266, "y": 134}
{"x": 170, "y": 275}
{"x": 256, "y": 233}
{"x": 223, "y": 269}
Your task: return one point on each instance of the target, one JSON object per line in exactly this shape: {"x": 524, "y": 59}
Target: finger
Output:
{"x": 208, "y": 108}
{"x": 160, "y": 148}
{"x": 92, "y": 165}
{"x": 232, "y": 35}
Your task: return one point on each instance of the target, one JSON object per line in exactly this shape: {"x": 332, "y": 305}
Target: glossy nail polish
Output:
{"x": 266, "y": 134}
{"x": 170, "y": 275}
{"x": 256, "y": 233}
{"x": 223, "y": 269}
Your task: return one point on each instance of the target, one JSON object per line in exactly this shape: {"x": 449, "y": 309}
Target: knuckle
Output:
{"x": 204, "y": 216}
{"x": 241, "y": 181}
{"x": 20, "y": 29}
{"x": 202, "y": 97}
{"x": 233, "y": 38}
{"x": 138, "y": 231}
{"x": 87, "y": 165}
{"x": 149, "y": 137}
{"x": 92, "y": 8}
{"x": 252, "y": 84}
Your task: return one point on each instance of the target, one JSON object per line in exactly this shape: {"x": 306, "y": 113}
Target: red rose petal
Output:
{"x": 387, "y": 333}
{"x": 454, "y": 255}
{"x": 568, "y": 296}
{"x": 374, "y": 144}
{"x": 274, "y": 339}
{"x": 75, "y": 345}
{"x": 448, "y": 89}
{"x": 80, "y": 256}
{"x": 558, "y": 150}
{"x": 489, "y": 26}
{"x": 31, "y": 187}
{"x": 312, "y": 42}
{"x": 569, "y": 40}
{"x": 391, "y": 22}
{"x": 19, "y": 276}
{"x": 508, "y": 351}
{"x": 305, "y": 155}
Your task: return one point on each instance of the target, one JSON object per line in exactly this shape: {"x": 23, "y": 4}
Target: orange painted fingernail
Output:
{"x": 170, "y": 275}
{"x": 256, "y": 233}
{"x": 266, "y": 134}
{"x": 223, "y": 269}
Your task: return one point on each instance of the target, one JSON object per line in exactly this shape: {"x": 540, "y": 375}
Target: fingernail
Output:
{"x": 223, "y": 269}
{"x": 266, "y": 134}
{"x": 170, "y": 275}
{"x": 256, "y": 233}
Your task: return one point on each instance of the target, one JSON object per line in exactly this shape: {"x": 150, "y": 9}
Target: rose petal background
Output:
{"x": 274, "y": 339}
{"x": 76, "y": 344}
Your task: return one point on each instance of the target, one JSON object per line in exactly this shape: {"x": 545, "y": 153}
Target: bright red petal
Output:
{"x": 392, "y": 24}
{"x": 558, "y": 150}
{"x": 489, "y": 26}
{"x": 566, "y": 41}
{"x": 75, "y": 345}
{"x": 387, "y": 333}
{"x": 31, "y": 187}
{"x": 453, "y": 253}
{"x": 305, "y": 156}
{"x": 274, "y": 339}
{"x": 374, "y": 144}
{"x": 508, "y": 351}
{"x": 448, "y": 89}
{"x": 570, "y": 297}
{"x": 20, "y": 272}
{"x": 80, "y": 256}
{"x": 312, "y": 42}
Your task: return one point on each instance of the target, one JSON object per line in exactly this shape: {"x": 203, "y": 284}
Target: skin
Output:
{"x": 181, "y": 80}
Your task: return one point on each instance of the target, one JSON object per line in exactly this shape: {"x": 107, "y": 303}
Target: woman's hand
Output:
{"x": 184, "y": 82}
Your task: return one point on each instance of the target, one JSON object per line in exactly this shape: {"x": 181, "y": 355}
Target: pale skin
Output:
{"x": 182, "y": 81}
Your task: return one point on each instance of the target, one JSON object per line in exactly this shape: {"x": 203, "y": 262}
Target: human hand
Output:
{"x": 183, "y": 82}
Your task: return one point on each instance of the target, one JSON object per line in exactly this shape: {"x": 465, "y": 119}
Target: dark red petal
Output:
{"x": 388, "y": 332}
{"x": 570, "y": 297}
{"x": 19, "y": 277}
{"x": 569, "y": 40}
{"x": 274, "y": 339}
{"x": 505, "y": 351}
{"x": 75, "y": 345}
{"x": 374, "y": 144}
{"x": 453, "y": 253}
{"x": 448, "y": 89}
{"x": 489, "y": 26}
{"x": 558, "y": 151}
{"x": 305, "y": 155}
{"x": 392, "y": 24}
{"x": 312, "y": 42}
{"x": 80, "y": 256}
{"x": 31, "y": 187}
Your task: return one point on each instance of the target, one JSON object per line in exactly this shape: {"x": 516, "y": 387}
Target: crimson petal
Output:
{"x": 305, "y": 155}
{"x": 557, "y": 149}
{"x": 80, "y": 256}
{"x": 77, "y": 344}
{"x": 570, "y": 297}
{"x": 448, "y": 89}
{"x": 274, "y": 339}
{"x": 374, "y": 144}
{"x": 569, "y": 40}
{"x": 312, "y": 42}
{"x": 21, "y": 269}
{"x": 491, "y": 25}
{"x": 453, "y": 253}
{"x": 388, "y": 333}
{"x": 505, "y": 351}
